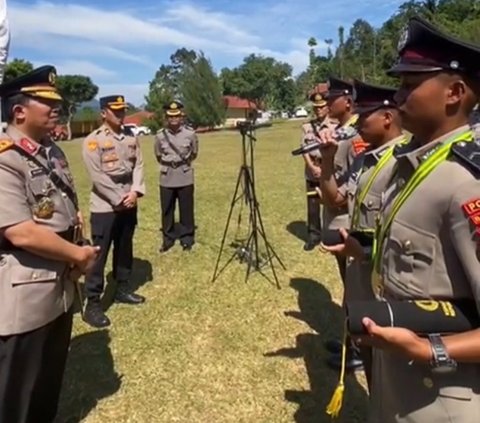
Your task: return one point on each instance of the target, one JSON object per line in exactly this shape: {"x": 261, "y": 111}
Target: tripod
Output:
{"x": 248, "y": 250}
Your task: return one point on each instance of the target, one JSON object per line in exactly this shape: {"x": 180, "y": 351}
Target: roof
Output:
{"x": 138, "y": 118}
{"x": 234, "y": 102}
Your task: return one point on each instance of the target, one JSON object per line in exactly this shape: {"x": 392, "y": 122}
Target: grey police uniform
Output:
{"x": 177, "y": 182}
{"x": 115, "y": 165}
{"x": 429, "y": 253}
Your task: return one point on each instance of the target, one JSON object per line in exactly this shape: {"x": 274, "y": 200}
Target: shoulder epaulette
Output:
{"x": 5, "y": 144}
{"x": 468, "y": 153}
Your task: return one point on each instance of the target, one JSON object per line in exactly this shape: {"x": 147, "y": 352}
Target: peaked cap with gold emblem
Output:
{"x": 114, "y": 102}
{"x": 38, "y": 83}
{"x": 174, "y": 108}
{"x": 318, "y": 100}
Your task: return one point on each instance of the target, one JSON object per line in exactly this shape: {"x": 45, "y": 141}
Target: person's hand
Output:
{"x": 316, "y": 171}
{"x": 81, "y": 221}
{"x": 130, "y": 200}
{"x": 350, "y": 247}
{"x": 328, "y": 143}
{"x": 396, "y": 339}
{"x": 87, "y": 256}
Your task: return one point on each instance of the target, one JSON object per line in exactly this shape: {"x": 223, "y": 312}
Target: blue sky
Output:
{"x": 121, "y": 43}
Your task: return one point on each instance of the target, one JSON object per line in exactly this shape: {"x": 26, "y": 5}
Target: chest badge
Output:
{"x": 44, "y": 208}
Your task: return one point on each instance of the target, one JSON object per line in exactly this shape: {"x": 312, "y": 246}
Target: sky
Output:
{"x": 120, "y": 44}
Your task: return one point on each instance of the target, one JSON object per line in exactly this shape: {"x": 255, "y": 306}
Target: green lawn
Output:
{"x": 226, "y": 352}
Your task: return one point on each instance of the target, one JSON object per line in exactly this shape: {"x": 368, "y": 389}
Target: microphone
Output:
{"x": 340, "y": 134}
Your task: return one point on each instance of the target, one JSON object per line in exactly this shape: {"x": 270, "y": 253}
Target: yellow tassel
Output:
{"x": 335, "y": 404}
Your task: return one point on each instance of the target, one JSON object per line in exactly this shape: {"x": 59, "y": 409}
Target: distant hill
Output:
{"x": 92, "y": 104}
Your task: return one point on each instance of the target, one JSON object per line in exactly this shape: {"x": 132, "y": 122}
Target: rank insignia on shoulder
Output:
{"x": 28, "y": 146}
{"x": 92, "y": 145}
{"x": 469, "y": 154}
{"x": 5, "y": 144}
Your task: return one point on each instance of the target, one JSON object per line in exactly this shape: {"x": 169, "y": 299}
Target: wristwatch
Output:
{"x": 441, "y": 362}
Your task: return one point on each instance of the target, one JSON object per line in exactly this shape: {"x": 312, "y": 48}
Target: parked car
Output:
{"x": 137, "y": 130}
{"x": 301, "y": 112}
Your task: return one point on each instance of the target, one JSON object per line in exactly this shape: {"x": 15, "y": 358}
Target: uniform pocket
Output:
{"x": 370, "y": 208}
{"x": 410, "y": 252}
{"x": 25, "y": 268}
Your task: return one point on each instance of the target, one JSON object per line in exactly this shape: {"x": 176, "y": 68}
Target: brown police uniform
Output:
{"x": 115, "y": 165}
{"x": 348, "y": 148}
{"x": 175, "y": 152}
{"x": 310, "y": 131}
{"x": 36, "y": 293}
{"x": 431, "y": 248}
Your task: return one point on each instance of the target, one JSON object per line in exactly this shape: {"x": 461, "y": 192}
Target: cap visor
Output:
{"x": 118, "y": 106}
{"x": 366, "y": 109}
{"x": 322, "y": 104}
{"x": 50, "y": 95}
{"x": 177, "y": 113}
{"x": 411, "y": 68}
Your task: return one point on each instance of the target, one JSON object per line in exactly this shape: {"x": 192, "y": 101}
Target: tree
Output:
{"x": 312, "y": 42}
{"x": 201, "y": 93}
{"x": 257, "y": 79}
{"x": 16, "y": 68}
{"x": 188, "y": 77}
{"x": 75, "y": 89}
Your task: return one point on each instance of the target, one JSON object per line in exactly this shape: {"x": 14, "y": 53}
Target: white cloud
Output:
{"x": 84, "y": 67}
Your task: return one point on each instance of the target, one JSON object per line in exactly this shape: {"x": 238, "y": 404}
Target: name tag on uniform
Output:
{"x": 37, "y": 172}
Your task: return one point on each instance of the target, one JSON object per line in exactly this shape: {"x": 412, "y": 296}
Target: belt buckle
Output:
{"x": 174, "y": 165}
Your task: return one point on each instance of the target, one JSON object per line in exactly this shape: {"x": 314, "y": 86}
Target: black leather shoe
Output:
{"x": 333, "y": 346}
{"x": 187, "y": 247}
{"x": 123, "y": 296}
{"x": 353, "y": 362}
{"x": 95, "y": 316}
{"x": 165, "y": 247}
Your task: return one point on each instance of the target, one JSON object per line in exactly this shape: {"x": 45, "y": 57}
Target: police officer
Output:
{"x": 428, "y": 237}
{"x": 176, "y": 147}
{"x": 310, "y": 132}
{"x": 114, "y": 162}
{"x": 379, "y": 124}
{"x": 39, "y": 221}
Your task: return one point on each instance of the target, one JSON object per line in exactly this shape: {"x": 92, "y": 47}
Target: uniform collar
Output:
{"x": 23, "y": 141}
{"x": 378, "y": 152}
{"x": 414, "y": 153}
{"x": 107, "y": 131}
{"x": 180, "y": 129}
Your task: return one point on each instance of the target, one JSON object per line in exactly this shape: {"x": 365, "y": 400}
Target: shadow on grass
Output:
{"x": 317, "y": 309}
{"x": 89, "y": 377}
{"x": 299, "y": 229}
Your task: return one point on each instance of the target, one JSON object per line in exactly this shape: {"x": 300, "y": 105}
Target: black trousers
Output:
{"x": 31, "y": 372}
{"x": 314, "y": 223}
{"x": 168, "y": 198}
{"x": 119, "y": 228}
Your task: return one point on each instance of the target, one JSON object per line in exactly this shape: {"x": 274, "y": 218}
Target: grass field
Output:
{"x": 227, "y": 352}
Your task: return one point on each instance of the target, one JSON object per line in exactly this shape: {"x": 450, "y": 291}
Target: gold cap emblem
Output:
{"x": 52, "y": 78}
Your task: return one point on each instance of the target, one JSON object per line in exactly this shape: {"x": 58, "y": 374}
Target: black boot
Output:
{"x": 123, "y": 295}
{"x": 94, "y": 314}
{"x": 310, "y": 244}
{"x": 353, "y": 360}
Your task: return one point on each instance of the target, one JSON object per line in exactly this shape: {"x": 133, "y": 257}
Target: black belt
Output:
{"x": 173, "y": 165}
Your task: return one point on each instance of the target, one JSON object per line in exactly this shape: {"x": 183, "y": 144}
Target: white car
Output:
{"x": 301, "y": 112}
{"x": 137, "y": 130}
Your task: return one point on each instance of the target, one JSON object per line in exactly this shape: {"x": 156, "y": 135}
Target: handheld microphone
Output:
{"x": 340, "y": 134}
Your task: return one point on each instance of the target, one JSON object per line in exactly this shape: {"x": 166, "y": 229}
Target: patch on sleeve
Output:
{"x": 472, "y": 210}
{"x": 359, "y": 146}
{"x": 92, "y": 145}
{"x": 5, "y": 144}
